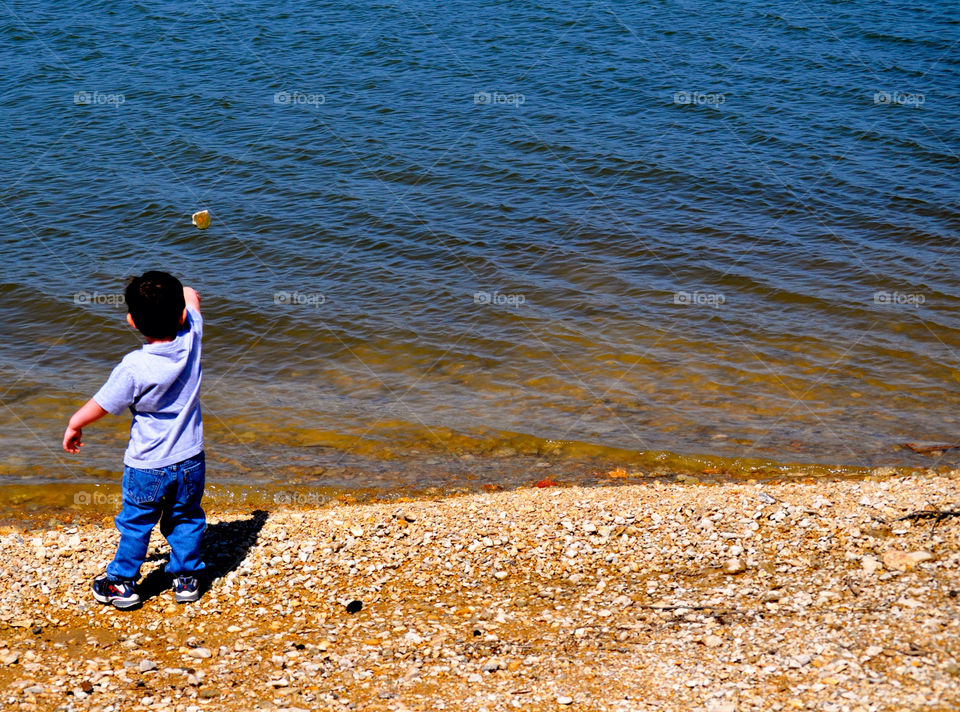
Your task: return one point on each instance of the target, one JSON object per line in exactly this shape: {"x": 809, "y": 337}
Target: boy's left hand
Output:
{"x": 71, "y": 439}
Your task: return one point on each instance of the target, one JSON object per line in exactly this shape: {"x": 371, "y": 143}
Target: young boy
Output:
{"x": 164, "y": 468}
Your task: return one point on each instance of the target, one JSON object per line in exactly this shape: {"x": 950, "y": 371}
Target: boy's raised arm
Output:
{"x": 191, "y": 297}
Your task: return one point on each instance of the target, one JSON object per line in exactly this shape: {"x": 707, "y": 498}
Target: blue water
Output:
{"x": 722, "y": 228}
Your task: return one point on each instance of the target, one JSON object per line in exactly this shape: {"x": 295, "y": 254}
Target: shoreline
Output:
{"x": 630, "y": 597}
{"x": 38, "y": 505}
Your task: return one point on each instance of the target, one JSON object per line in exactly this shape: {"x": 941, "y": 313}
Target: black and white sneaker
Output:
{"x": 186, "y": 589}
{"x": 119, "y": 594}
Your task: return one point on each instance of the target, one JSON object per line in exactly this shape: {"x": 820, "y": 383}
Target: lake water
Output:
{"x": 489, "y": 240}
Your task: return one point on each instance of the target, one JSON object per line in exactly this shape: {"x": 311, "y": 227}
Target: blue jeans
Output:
{"x": 170, "y": 495}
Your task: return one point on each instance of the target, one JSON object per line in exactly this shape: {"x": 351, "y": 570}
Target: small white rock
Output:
{"x": 734, "y": 566}
{"x": 491, "y": 666}
{"x": 721, "y": 706}
{"x": 870, "y": 564}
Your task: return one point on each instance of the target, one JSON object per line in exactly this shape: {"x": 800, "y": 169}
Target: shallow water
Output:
{"x": 553, "y": 230}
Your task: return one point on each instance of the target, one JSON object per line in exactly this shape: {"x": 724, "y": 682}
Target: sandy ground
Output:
{"x": 796, "y": 595}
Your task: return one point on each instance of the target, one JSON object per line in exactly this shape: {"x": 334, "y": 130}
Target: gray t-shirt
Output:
{"x": 160, "y": 384}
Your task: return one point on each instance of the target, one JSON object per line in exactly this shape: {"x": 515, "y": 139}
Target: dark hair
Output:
{"x": 155, "y": 301}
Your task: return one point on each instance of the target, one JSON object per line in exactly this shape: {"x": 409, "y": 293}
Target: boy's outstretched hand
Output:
{"x": 89, "y": 412}
{"x": 71, "y": 439}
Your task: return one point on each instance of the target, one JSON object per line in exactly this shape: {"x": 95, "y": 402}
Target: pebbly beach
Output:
{"x": 810, "y": 594}
{"x": 480, "y": 356}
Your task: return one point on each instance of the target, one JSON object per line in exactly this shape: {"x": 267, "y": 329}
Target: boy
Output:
{"x": 164, "y": 467}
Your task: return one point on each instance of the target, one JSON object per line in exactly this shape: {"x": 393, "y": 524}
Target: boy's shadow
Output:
{"x": 224, "y": 547}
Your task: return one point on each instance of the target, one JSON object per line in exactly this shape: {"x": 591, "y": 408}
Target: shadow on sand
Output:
{"x": 225, "y": 546}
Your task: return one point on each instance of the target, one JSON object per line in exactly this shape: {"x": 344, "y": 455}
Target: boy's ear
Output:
{"x": 130, "y": 320}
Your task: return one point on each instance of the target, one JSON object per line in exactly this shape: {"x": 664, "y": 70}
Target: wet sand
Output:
{"x": 811, "y": 594}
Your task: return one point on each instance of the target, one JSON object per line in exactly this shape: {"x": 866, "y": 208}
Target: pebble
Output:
{"x": 734, "y": 566}
{"x": 713, "y": 641}
{"x": 870, "y": 564}
{"x": 201, "y": 653}
{"x": 904, "y": 561}
{"x": 564, "y": 700}
{"x": 798, "y": 661}
{"x": 147, "y": 665}
{"x": 721, "y": 706}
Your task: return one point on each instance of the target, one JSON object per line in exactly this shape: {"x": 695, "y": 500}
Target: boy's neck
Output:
{"x": 157, "y": 341}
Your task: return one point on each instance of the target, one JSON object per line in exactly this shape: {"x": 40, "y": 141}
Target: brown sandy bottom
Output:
{"x": 799, "y": 595}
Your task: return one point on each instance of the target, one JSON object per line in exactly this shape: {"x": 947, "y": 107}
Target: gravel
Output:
{"x": 614, "y": 598}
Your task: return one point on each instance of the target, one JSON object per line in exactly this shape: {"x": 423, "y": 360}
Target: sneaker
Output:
{"x": 186, "y": 589}
{"x": 121, "y": 594}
